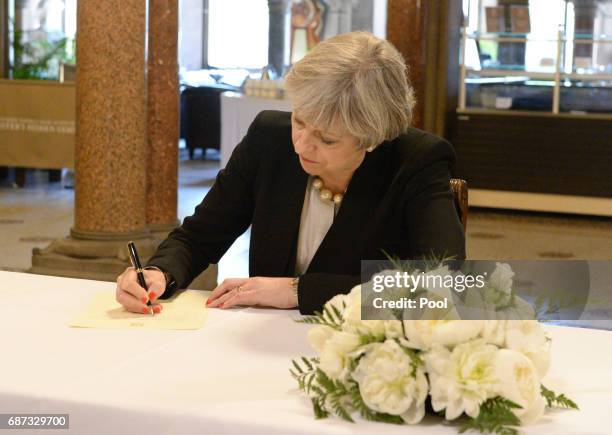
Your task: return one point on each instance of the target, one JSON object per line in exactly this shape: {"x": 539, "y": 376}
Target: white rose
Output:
{"x": 336, "y": 352}
{"x": 387, "y": 383}
{"x": 318, "y": 336}
{"x": 353, "y": 322}
{"x": 423, "y": 334}
{"x": 352, "y": 300}
{"x": 340, "y": 302}
{"x": 528, "y": 337}
{"x": 494, "y": 332}
{"x": 520, "y": 383}
{"x": 394, "y": 329}
{"x": 497, "y": 293}
{"x": 501, "y": 278}
{"x": 463, "y": 379}
{"x": 355, "y": 294}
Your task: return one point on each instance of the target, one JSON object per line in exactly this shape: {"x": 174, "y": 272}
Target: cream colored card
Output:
{"x": 185, "y": 310}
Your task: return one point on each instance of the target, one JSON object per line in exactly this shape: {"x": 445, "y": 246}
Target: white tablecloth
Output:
{"x": 229, "y": 377}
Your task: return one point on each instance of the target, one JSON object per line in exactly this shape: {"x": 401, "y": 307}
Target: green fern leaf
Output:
{"x": 558, "y": 401}
{"x": 496, "y": 417}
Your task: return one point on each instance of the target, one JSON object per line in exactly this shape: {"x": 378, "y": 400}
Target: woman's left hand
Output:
{"x": 262, "y": 291}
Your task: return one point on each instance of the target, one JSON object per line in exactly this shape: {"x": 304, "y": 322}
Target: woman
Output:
{"x": 343, "y": 178}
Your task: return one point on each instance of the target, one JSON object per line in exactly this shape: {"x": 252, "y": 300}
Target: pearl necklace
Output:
{"x": 326, "y": 194}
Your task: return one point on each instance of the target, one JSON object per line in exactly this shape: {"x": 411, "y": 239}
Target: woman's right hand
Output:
{"x": 133, "y": 297}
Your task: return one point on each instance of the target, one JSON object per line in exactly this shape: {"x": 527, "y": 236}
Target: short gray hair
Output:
{"x": 355, "y": 80}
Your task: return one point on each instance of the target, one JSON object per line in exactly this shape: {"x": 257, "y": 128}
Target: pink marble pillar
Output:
{"x": 111, "y": 119}
{"x": 163, "y": 116}
{"x": 110, "y": 151}
{"x": 406, "y": 30}
{"x": 126, "y": 167}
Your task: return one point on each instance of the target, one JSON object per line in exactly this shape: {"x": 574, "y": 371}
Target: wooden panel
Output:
{"x": 426, "y": 33}
{"x": 37, "y": 123}
{"x": 569, "y": 156}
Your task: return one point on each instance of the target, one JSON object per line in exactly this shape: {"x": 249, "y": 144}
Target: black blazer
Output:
{"x": 399, "y": 200}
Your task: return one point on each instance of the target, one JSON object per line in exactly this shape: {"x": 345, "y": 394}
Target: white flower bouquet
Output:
{"x": 485, "y": 373}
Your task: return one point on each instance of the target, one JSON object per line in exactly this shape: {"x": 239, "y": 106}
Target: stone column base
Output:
{"x": 102, "y": 260}
{"x": 161, "y": 231}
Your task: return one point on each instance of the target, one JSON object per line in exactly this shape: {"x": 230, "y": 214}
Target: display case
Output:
{"x": 534, "y": 111}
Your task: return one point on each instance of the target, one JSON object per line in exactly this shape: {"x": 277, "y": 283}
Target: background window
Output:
{"x": 237, "y": 33}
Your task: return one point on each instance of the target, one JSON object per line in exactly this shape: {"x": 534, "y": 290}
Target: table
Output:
{"x": 237, "y": 113}
{"x": 229, "y": 377}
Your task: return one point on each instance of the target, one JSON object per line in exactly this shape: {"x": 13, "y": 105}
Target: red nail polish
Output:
{"x": 157, "y": 309}
{"x": 152, "y": 296}
{"x": 145, "y": 311}
{"x": 143, "y": 300}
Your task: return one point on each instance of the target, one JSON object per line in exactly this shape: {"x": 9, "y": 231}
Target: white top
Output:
{"x": 317, "y": 217}
{"x": 231, "y": 376}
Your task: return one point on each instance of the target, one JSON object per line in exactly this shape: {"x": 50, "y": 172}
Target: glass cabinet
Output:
{"x": 533, "y": 125}
{"x": 545, "y": 56}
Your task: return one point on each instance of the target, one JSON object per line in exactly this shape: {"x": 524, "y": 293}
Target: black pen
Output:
{"x": 139, "y": 275}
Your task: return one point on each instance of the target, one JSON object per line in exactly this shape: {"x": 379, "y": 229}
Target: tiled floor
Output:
{"x": 495, "y": 234}
{"x": 33, "y": 216}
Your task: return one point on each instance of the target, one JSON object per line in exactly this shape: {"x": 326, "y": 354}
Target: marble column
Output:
{"x": 111, "y": 110}
{"x": 126, "y": 156}
{"x": 406, "y": 30}
{"x": 163, "y": 116}
{"x": 163, "y": 109}
{"x": 111, "y": 146}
